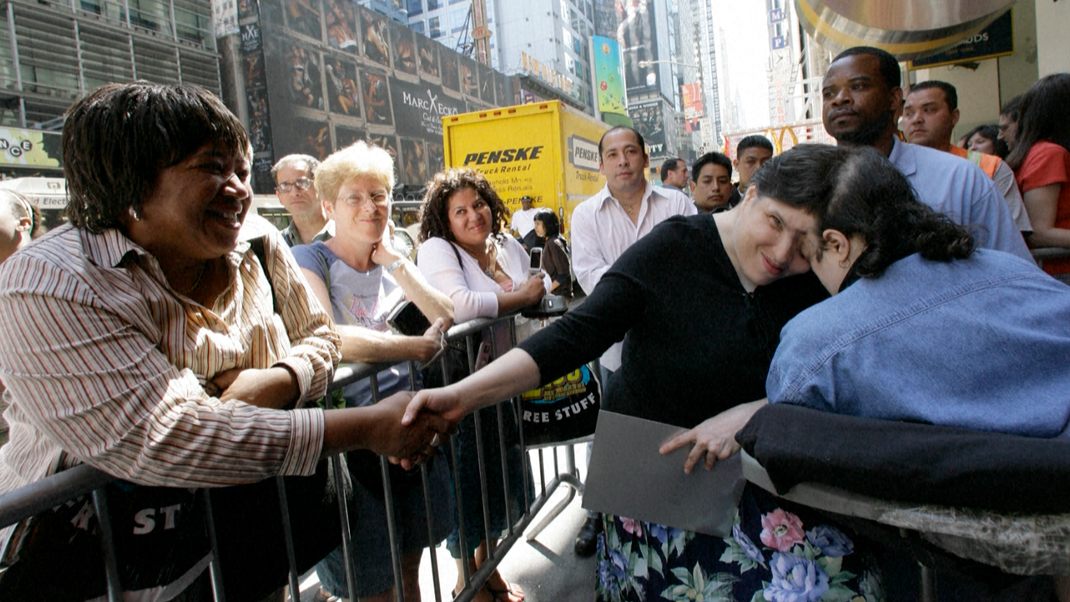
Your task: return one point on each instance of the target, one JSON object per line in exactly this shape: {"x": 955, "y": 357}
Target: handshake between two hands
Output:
{"x": 415, "y": 423}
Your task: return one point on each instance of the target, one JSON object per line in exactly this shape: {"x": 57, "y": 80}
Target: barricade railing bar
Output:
{"x": 82, "y": 480}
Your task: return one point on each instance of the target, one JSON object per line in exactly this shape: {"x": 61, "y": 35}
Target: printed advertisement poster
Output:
{"x": 420, "y": 107}
{"x": 609, "y": 76}
{"x": 650, "y": 122}
{"x": 29, "y": 147}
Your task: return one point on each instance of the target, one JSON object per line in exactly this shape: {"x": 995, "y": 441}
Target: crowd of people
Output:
{"x": 171, "y": 340}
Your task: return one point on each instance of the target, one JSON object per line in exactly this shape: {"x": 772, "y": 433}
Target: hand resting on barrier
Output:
{"x": 715, "y": 438}
{"x": 427, "y": 346}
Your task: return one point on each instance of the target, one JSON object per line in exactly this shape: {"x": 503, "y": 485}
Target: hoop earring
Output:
{"x": 134, "y": 213}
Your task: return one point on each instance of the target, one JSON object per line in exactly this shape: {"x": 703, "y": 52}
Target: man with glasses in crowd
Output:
{"x": 295, "y": 187}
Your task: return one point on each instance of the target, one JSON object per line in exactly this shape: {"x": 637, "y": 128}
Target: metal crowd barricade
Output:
{"x": 1044, "y": 253}
{"x": 84, "y": 480}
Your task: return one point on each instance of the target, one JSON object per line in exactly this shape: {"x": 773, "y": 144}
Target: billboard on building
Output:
{"x": 649, "y": 120}
{"x": 637, "y": 35}
{"x": 693, "y": 109}
{"x": 633, "y": 25}
{"x": 609, "y": 76}
{"x": 322, "y": 74}
{"x": 30, "y": 148}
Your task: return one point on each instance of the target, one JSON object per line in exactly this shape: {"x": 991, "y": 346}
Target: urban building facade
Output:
{"x": 317, "y": 75}
{"x": 53, "y": 52}
{"x": 544, "y": 42}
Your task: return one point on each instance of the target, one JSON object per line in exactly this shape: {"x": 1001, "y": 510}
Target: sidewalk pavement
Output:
{"x": 547, "y": 568}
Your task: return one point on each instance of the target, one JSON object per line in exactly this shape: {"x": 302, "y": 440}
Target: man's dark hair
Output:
{"x": 1011, "y": 109}
{"x": 669, "y": 165}
{"x": 889, "y": 67}
{"x": 951, "y": 95}
{"x": 638, "y": 137}
{"x": 704, "y": 160}
{"x": 118, "y": 138}
{"x": 753, "y": 141}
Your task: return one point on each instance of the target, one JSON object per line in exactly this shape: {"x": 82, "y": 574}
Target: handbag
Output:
{"x": 56, "y": 555}
{"x": 562, "y": 410}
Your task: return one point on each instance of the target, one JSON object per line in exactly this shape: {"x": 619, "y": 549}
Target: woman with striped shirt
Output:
{"x": 147, "y": 340}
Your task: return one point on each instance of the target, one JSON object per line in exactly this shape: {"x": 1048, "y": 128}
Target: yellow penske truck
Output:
{"x": 544, "y": 150}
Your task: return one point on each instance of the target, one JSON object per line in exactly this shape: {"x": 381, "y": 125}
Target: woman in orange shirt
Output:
{"x": 1041, "y": 163}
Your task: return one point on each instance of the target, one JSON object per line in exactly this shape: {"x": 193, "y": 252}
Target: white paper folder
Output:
{"x": 628, "y": 477}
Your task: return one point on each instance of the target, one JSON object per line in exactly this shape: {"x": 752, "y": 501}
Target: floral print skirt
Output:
{"x": 777, "y": 552}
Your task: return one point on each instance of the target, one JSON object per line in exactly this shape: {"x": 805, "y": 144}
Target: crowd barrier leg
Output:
{"x": 926, "y": 584}
{"x": 215, "y": 570}
{"x": 337, "y": 467}
{"x": 425, "y": 482}
{"x": 287, "y": 534}
{"x": 107, "y": 544}
{"x": 525, "y": 473}
{"x": 570, "y": 480}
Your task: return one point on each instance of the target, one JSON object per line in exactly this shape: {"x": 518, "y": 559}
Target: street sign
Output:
{"x": 993, "y": 41}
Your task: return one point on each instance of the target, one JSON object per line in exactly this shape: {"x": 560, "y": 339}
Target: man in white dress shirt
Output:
{"x": 605, "y": 225}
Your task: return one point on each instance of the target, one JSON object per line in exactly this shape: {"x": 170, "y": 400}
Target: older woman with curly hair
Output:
{"x": 467, "y": 254}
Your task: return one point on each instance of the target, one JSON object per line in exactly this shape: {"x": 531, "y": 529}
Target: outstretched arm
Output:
{"x": 375, "y": 427}
{"x": 505, "y": 377}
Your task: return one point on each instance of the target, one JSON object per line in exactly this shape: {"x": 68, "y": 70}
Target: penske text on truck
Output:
{"x": 544, "y": 150}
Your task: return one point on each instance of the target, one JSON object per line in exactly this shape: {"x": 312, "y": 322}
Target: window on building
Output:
{"x": 415, "y": 7}
{"x": 433, "y": 4}
{"x": 458, "y": 1}
{"x": 457, "y": 19}
{"x": 417, "y": 26}
{"x": 434, "y": 27}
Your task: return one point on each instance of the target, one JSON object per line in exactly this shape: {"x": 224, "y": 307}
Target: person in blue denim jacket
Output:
{"x": 923, "y": 326}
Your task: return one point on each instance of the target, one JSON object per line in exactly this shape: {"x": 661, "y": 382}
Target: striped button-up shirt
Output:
{"x": 106, "y": 364}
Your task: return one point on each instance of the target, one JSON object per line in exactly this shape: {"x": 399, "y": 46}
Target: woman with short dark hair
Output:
{"x": 985, "y": 139}
{"x": 147, "y": 339}
{"x": 555, "y": 259}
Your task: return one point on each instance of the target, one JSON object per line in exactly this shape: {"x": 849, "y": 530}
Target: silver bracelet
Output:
{"x": 390, "y": 268}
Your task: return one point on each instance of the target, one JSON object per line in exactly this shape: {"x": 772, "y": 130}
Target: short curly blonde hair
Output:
{"x": 356, "y": 160}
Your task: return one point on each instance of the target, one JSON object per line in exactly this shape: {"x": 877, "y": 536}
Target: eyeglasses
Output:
{"x": 300, "y": 184}
{"x": 357, "y": 201}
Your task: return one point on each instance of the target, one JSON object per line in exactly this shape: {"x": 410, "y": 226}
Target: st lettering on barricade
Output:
{"x": 562, "y": 410}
